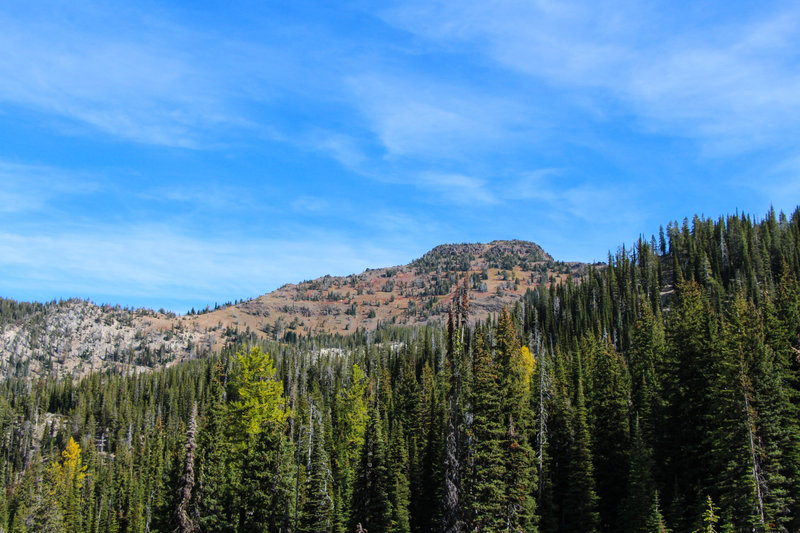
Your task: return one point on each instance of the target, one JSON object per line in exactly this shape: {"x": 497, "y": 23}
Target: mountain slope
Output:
{"x": 76, "y": 336}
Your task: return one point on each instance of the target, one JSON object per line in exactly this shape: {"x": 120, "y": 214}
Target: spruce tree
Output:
{"x": 318, "y": 506}
{"x": 218, "y": 467}
{"x": 371, "y": 504}
{"x": 515, "y": 366}
{"x": 609, "y": 423}
{"x": 487, "y": 503}
{"x": 639, "y": 512}
{"x": 581, "y": 515}
{"x": 399, "y": 480}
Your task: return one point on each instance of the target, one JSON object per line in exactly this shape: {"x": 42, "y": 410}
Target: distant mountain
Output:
{"x": 76, "y": 336}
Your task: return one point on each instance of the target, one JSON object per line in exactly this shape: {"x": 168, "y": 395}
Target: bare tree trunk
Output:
{"x": 187, "y": 481}
{"x": 750, "y": 422}
{"x": 451, "y": 518}
{"x": 452, "y": 499}
{"x": 542, "y": 415}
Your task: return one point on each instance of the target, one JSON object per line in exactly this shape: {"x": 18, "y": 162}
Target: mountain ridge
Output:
{"x": 76, "y": 337}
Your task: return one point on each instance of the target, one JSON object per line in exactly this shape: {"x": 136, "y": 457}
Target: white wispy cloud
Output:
{"x": 738, "y": 94}
{"x": 344, "y": 148}
{"x": 121, "y": 74}
{"x": 734, "y": 85}
{"x": 31, "y": 188}
{"x": 206, "y": 197}
{"x": 563, "y": 41}
{"x": 419, "y": 117}
{"x": 456, "y": 188}
{"x": 557, "y": 194}
{"x": 311, "y": 204}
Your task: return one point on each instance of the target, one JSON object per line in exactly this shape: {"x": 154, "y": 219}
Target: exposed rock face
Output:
{"x": 76, "y": 337}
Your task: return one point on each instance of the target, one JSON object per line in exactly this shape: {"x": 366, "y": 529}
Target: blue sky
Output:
{"x": 180, "y": 154}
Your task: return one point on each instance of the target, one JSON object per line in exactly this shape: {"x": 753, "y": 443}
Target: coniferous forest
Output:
{"x": 660, "y": 392}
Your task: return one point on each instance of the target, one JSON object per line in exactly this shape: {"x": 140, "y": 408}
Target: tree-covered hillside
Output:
{"x": 657, "y": 393}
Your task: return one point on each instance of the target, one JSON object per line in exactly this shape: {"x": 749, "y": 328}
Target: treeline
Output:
{"x": 661, "y": 393}
{"x": 685, "y": 349}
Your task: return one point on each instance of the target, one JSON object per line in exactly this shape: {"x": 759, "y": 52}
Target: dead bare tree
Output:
{"x": 187, "y": 481}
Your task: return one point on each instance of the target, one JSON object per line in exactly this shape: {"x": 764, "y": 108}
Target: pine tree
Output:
{"x": 452, "y": 503}
{"x": 430, "y": 478}
{"x": 689, "y": 383}
{"x": 542, "y": 403}
{"x": 609, "y": 423}
{"x": 646, "y": 356}
{"x": 399, "y": 480}
{"x": 265, "y": 481}
{"x": 710, "y": 518}
{"x": 487, "y": 504}
{"x": 218, "y": 469}
{"x": 516, "y": 368}
{"x": 371, "y": 506}
{"x": 318, "y": 506}
{"x": 639, "y": 512}
{"x": 655, "y": 521}
{"x": 582, "y": 514}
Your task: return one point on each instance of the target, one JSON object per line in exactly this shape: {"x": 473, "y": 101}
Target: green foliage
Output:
{"x": 372, "y": 507}
{"x": 259, "y": 396}
{"x": 583, "y": 496}
{"x": 489, "y": 468}
{"x": 710, "y": 518}
{"x": 317, "y": 513}
{"x": 399, "y": 493}
{"x": 640, "y": 511}
{"x": 633, "y": 398}
{"x": 354, "y": 407}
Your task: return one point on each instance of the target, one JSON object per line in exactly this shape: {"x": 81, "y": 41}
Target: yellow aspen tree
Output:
{"x": 69, "y": 475}
{"x": 528, "y": 367}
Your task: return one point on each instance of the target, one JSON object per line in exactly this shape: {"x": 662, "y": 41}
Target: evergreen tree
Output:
{"x": 583, "y": 515}
{"x": 710, "y": 518}
{"x": 318, "y": 506}
{"x": 690, "y": 382}
{"x": 609, "y": 397}
{"x": 456, "y": 368}
{"x": 371, "y": 504}
{"x": 399, "y": 480}
{"x": 488, "y": 466}
{"x": 646, "y": 356}
{"x": 218, "y": 469}
{"x": 640, "y": 512}
{"x": 516, "y": 368}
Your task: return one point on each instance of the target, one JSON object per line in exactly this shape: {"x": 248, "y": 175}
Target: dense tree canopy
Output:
{"x": 662, "y": 392}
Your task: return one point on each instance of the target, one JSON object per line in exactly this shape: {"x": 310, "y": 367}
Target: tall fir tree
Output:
{"x": 317, "y": 514}
{"x": 398, "y": 472}
{"x": 372, "y": 507}
{"x": 582, "y": 514}
{"x": 488, "y": 496}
